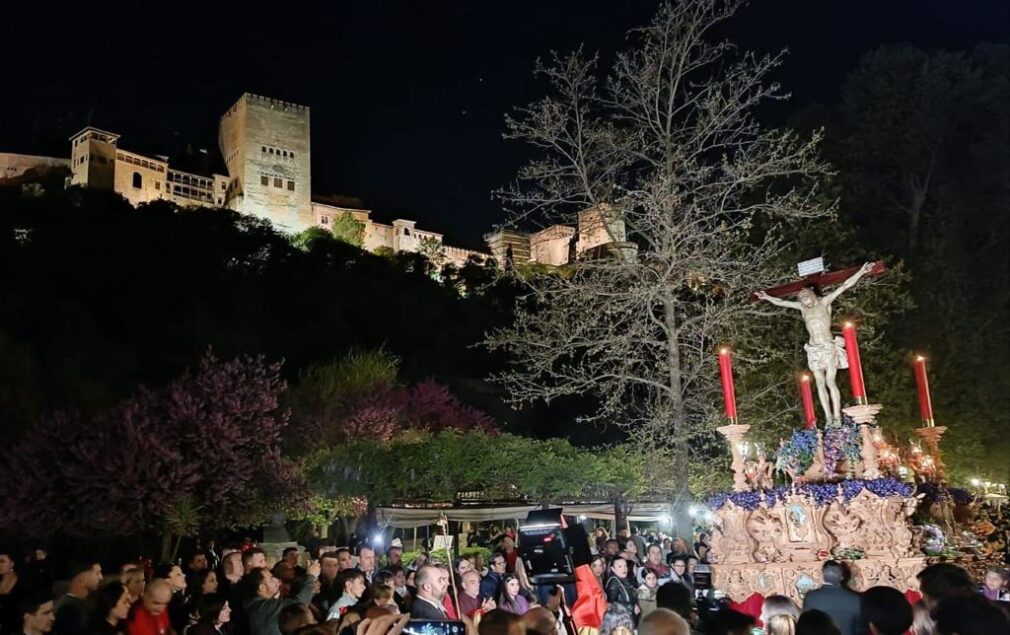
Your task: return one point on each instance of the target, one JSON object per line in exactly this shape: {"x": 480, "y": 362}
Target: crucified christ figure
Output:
{"x": 825, "y": 351}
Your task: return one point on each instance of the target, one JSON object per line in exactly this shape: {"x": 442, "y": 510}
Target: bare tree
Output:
{"x": 667, "y": 149}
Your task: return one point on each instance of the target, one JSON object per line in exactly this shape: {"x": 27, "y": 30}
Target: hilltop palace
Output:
{"x": 265, "y": 144}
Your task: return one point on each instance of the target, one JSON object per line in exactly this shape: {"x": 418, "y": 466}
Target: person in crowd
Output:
{"x": 197, "y": 561}
{"x": 285, "y": 573}
{"x": 400, "y": 587}
{"x": 150, "y": 615}
{"x": 692, "y": 564}
{"x": 73, "y": 615}
{"x": 647, "y": 591}
{"x": 599, "y": 567}
{"x": 922, "y": 622}
{"x": 508, "y": 547}
{"x": 835, "y": 599}
{"x": 778, "y": 605}
{"x": 253, "y": 558}
{"x": 780, "y": 625}
{"x": 994, "y": 585}
{"x": 631, "y": 553}
{"x": 961, "y": 614}
{"x": 499, "y": 622}
{"x": 941, "y": 580}
{"x": 200, "y": 584}
{"x": 265, "y": 603}
{"x": 509, "y": 597}
{"x": 292, "y": 618}
{"x": 394, "y": 555}
{"x": 654, "y": 562}
{"x": 432, "y": 583}
{"x": 679, "y": 548}
{"x": 678, "y": 571}
{"x": 729, "y": 622}
{"x": 290, "y": 556}
{"x": 679, "y": 599}
{"x": 667, "y": 546}
{"x": 37, "y": 614}
{"x": 178, "y": 606}
{"x": 213, "y": 616}
{"x": 134, "y": 582}
{"x": 366, "y": 561}
{"x": 11, "y": 591}
{"x": 886, "y": 611}
{"x": 447, "y": 597}
{"x": 816, "y": 622}
{"x": 231, "y": 574}
{"x": 112, "y": 607}
{"x": 618, "y": 620}
{"x": 611, "y": 548}
{"x": 620, "y": 589}
{"x": 540, "y": 621}
{"x": 497, "y": 568}
{"x": 387, "y": 579}
{"x": 344, "y": 558}
{"x": 663, "y": 622}
{"x": 702, "y": 547}
{"x": 601, "y": 539}
{"x": 352, "y": 585}
{"x": 470, "y": 600}
{"x": 640, "y": 545}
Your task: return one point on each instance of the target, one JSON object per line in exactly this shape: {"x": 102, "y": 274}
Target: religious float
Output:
{"x": 848, "y": 494}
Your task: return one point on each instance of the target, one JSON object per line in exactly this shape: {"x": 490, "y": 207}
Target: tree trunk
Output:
{"x": 682, "y": 495}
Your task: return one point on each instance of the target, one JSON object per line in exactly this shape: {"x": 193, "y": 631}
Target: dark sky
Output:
{"x": 407, "y": 98}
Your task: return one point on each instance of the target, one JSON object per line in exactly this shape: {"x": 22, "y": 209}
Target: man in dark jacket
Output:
{"x": 496, "y": 569}
{"x": 842, "y": 604}
{"x": 265, "y": 603}
{"x": 432, "y": 583}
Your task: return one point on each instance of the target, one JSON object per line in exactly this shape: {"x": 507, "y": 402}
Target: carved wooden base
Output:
{"x": 771, "y": 548}
{"x": 794, "y": 579}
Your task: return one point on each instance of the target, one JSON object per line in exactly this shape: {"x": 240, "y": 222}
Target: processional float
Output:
{"x": 848, "y": 495}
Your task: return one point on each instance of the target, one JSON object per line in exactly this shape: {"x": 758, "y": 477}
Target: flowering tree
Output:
{"x": 207, "y": 442}
{"x": 358, "y": 397}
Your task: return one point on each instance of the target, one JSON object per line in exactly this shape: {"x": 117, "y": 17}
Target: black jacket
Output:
{"x": 423, "y": 610}
{"x": 842, "y": 604}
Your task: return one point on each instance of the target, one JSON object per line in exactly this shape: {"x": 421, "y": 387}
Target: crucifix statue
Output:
{"x": 825, "y": 351}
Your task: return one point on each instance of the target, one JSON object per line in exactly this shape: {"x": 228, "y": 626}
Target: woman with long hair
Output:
{"x": 509, "y": 597}
{"x": 112, "y": 606}
{"x": 781, "y": 625}
{"x": 213, "y": 616}
{"x": 620, "y": 589}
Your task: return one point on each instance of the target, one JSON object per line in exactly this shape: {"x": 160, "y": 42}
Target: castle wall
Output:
{"x": 551, "y": 246}
{"x": 138, "y": 178}
{"x": 14, "y": 166}
{"x": 598, "y": 226}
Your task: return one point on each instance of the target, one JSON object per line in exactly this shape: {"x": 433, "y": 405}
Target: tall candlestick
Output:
{"x": 855, "y": 365}
{"x": 726, "y": 373}
{"x": 922, "y": 382}
{"x": 807, "y": 396}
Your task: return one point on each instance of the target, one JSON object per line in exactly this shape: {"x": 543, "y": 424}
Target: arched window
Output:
{"x": 137, "y": 181}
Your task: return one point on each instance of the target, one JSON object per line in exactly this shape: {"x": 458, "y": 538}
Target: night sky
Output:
{"x": 407, "y": 98}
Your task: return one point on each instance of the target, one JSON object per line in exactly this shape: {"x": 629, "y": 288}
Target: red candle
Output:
{"x": 855, "y": 365}
{"x": 807, "y": 395}
{"x": 728, "y": 391}
{"x": 922, "y": 382}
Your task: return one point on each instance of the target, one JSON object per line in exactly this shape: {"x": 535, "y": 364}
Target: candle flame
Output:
{"x": 724, "y": 350}
{"x": 804, "y": 377}
{"x": 849, "y": 325}
{"x": 920, "y": 358}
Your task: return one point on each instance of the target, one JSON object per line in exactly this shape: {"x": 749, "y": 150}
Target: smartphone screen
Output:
{"x": 434, "y": 627}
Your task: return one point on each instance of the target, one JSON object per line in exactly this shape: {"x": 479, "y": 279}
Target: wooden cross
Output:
{"x": 823, "y": 280}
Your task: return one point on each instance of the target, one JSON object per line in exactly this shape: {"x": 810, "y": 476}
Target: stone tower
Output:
{"x": 93, "y": 158}
{"x": 265, "y": 144}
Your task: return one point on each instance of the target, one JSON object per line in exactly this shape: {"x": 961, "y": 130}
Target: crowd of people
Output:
{"x": 650, "y": 584}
